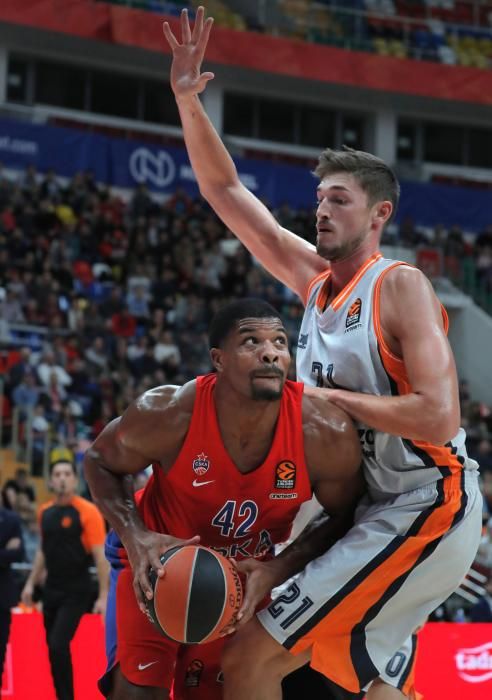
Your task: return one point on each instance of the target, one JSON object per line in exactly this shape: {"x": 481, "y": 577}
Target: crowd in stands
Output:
{"x": 101, "y": 299}
{"x": 455, "y": 32}
{"x": 113, "y": 297}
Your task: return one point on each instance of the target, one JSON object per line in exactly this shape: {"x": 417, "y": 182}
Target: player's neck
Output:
{"x": 245, "y": 413}
{"x": 246, "y": 426}
{"x": 342, "y": 271}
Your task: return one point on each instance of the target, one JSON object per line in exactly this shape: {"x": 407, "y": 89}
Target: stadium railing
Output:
{"x": 421, "y": 32}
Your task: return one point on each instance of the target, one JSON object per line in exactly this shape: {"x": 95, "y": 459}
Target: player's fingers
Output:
{"x": 202, "y": 42}
{"x": 245, "y": 613}
{"x": 185, "y": 27}
{"x": 155, "y": 562}
{"x": 171, "y": 39}
{"x": 198, "y": 27}
{"x": 139, "y": 593}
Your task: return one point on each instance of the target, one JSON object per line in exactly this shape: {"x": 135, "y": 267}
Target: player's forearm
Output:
{"x": 412, "y": 416}
{"x": 114, "y": 496}
{"x": 317, "y": 537}
{"x": 212, "y": 164}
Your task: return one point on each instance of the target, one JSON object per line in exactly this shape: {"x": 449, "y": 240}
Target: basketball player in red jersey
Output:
{"x": 374, "y": 335}
{"x": 234, "y": 455}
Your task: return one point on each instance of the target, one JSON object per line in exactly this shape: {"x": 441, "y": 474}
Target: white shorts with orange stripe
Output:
{"x": 362, "y": 600}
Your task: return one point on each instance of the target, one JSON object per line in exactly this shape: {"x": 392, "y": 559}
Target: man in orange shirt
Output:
{"x": 72, "y": 533}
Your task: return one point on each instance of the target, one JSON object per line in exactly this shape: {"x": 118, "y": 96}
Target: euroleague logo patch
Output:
{"x": 353, "y": 315}
{"x": 201, "y": 464}
{"x": 66, "y": 521}
{"x": 285, "y": 475}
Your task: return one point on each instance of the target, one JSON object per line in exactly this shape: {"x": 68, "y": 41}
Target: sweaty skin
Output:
{"x": 349, "y": 229}
{"x": 252, "y": 367}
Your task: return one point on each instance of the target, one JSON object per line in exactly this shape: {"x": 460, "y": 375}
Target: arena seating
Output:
{"x": 113, "y": 297}
{"x": 446, "y": 31}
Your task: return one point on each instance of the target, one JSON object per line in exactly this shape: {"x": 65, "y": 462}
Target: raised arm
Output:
{"x": 286, "y": 256}
{"x": 412, "y": 329}
{"x": 151, "y": 430}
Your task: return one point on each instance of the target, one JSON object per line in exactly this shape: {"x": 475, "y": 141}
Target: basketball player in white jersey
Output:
{"x": 373, "y": 334}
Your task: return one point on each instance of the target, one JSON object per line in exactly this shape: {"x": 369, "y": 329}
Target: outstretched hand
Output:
{"x": 144, "y": 552}
{"x": 261, "y": 577}
{"x": 186, "y": 78}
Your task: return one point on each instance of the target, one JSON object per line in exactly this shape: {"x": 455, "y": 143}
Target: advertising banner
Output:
{"x": 454, "y": 661}
{"x": 259, "y": 51}
{"x": 128, "y": 163}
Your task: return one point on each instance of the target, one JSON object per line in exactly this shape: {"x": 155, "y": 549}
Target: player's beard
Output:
{"x": 267, "y": 393}
{"x": 335, "y": 253}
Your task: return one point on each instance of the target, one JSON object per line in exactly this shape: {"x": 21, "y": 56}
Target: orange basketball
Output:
{"x": 199, "y": 595}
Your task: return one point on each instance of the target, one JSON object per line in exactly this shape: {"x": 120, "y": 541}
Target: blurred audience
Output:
{"x": 116, "y": 297}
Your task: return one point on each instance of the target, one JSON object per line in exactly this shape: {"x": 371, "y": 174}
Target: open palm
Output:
{"x": 186, "y": 78}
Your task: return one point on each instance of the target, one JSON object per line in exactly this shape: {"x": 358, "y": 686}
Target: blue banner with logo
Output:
{"x": 163, "y": 169}
{"x": 66, "y": 151}
{"x": 125, "y": 163}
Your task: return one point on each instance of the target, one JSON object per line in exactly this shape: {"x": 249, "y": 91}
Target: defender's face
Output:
{"x": 255, "y": 358}
{"x": 63, "y": 481}
{"x": 343, "y": 217}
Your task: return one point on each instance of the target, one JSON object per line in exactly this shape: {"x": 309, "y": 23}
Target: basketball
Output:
{"x": 199, "y": 595}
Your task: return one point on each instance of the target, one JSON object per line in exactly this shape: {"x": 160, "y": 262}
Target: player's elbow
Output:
{"x": 441, "y": 426}
{"x": 214, "y": 192}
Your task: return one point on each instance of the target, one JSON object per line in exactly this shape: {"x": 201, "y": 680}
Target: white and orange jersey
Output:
{"x": 341, "y": 346}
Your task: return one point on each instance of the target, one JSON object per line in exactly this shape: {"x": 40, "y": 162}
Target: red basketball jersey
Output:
{"x": 204, "y": 493}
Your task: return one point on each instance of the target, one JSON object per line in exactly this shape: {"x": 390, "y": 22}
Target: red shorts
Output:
{"x": 148, "y": 658}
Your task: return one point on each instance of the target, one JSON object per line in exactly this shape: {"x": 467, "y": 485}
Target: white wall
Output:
{"x": 470, "y": 335}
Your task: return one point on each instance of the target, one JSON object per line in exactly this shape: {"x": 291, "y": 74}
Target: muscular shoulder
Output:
{"x": 152, "y": 428}
{"x": 328, "y": 432}
{"x": 172, "y": 404}
{"x": 407, "y": 298}
{"x": 404, "y": 282}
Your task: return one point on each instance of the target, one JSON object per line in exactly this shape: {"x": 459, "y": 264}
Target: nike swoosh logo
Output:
{"x": 202, "y": 483}
{"x": 142, "y": 667}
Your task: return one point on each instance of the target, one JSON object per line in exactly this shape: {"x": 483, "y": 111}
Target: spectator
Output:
{"x": 141, "y": 204}
{"x": 53, "y": 397}
{"x": 482, "y": 610}
{"x": 166, "y": 352}
{"x": 138, "y": 302}
{"x": 12, "y": 308}
{"x": 113, "y": 304}
{"x": 145, "y": 364}
{"x": 48, "y": 367}
{"x": 50, "y": 187}
{"x": 25, "y": 396}
{"x": 40, "y": 433}
{"x": 97, "y": 357}
{"x": 13, "y": 488}
{"x": 11, "y": 550}
{"x": 123, "y": 324}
